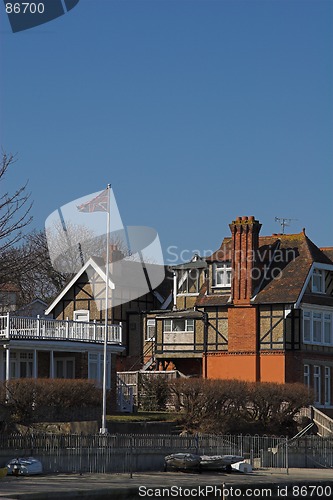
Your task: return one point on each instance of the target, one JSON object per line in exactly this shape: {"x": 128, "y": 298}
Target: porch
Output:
{"x": 40, "y": 347}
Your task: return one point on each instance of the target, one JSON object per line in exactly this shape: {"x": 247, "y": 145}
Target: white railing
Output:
{"x": 18, "y": 327}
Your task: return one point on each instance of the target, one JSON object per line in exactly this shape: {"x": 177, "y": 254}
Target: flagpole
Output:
{"x": 103, "y": 429}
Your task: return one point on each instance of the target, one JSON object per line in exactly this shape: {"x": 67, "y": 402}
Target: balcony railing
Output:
{"x": 21, "y": 328}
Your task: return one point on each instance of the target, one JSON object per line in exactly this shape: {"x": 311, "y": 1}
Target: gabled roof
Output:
{"x": 95, "y": 264}
{"x": 122, "y": 279}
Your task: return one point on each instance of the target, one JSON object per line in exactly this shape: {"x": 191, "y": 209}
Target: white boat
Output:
{"x": 182, "y": 461}
{"x": 24, "y": 466}
{"x": 214, "y": 462}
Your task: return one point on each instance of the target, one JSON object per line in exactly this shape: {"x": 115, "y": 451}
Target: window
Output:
{"x": 21, "y": 365}
{"x": 318, "y": 281}
{"x": 81, "y": 315}
{"x": 307, "y": 326}
{"x": 307, "y": 375}
{"x": 150, "y": 329}
{"x": 317, "y": 327}
{"x": 26, "y": 364}
{"x": 189, "y": 281}
{"x": 222, "y": 274}
{"x": 328, "y": 328}
{"x": 96, "y": 368}
{"x": 317, "y": 384}
{"x": 327, "y": 385}
{"x": 178, "y": 325}
{"x": 64, "y": 367}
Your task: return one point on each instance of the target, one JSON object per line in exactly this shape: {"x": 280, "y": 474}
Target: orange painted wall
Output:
{"x": 273, "y": 368}
{"x": 241, "y": 366}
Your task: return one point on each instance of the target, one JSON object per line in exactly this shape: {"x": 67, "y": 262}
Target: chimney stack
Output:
{"x": 245, "y": 243}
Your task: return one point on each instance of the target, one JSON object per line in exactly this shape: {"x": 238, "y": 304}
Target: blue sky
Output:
{"x": 195, "y": 111}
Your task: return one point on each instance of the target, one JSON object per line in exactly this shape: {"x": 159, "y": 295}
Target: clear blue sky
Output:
{"x": 195, "y": 111}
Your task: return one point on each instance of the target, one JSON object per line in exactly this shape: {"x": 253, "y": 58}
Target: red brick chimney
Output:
{"x": 245, "y": 242}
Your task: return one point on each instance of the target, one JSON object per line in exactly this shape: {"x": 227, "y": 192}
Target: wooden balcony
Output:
{"x": 21, "y": 328}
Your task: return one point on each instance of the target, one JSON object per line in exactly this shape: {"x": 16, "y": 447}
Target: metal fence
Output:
{"x": 142, "y": 452}
{"x": 139, "y": 452}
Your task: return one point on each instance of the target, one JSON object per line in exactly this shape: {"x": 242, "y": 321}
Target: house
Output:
{"x": 83, "y": 299}
{"x": 260, "y": 308}
{"x": 33, "y": 309}
{"x": 68, "y": 340}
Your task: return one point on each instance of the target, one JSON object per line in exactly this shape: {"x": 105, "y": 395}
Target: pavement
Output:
{"x": 299, "y": 483}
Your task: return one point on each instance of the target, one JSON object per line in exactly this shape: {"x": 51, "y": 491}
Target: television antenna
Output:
{"x": 283, "y": 221}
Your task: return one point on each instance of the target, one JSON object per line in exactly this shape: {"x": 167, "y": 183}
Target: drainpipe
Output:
{"x": 174, "y": 290}
{"x": 205, "y": 320}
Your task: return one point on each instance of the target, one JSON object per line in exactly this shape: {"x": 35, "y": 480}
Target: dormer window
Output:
{"x": 318, "y": 281}
{"x": 189, "y": 282}
{"x": 222, "y": 274}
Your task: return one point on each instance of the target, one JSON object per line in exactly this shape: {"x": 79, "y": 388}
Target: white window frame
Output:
{"x": 307, "y": 376}
{"x": 318, "y": 276}
{"x": 150, "y": 325}
{"x": 169, "y": 325}
{"x": 311, "y": 319}
{"x": 317, "y": 384}
{"x": 78, "y": 312}
{"x": 222, "y": 275}
{"x": 327, "y": 388}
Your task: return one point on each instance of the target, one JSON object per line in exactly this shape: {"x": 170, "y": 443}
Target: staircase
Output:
{"x": 323, "y": 422}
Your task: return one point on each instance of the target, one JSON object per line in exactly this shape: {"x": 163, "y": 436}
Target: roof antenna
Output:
{"x": 283, "y": 221}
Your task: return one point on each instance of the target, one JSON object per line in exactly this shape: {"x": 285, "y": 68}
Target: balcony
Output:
{"x": 21, "y": 328}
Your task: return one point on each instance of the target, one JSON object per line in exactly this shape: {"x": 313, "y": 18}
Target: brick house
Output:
{"x": 260, "y": 308}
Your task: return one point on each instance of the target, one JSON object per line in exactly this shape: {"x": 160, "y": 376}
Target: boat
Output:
{"x": 219, "y": 462}
{"x": 24, "y": 466}
{"x": 183, "y": 461}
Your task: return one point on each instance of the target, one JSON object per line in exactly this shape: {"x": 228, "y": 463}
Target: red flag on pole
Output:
{"x": 98, "y": 204}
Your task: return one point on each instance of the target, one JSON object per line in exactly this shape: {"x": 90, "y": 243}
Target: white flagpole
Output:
{"x": 103, "y": 429}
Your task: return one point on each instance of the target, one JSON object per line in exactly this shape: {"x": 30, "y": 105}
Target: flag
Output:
{"x": 98, "y": 204}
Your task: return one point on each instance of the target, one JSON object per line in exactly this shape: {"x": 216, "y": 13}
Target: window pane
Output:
{"x": 59, "y": 369}
{"x": 93, "y": 370}
{"x": 317, "y": 281}
{"x": 307, "y": 329}
{"x": 317, "y": 327}
{"x": 167, "y": 325}
{"x": 327, "y": 332}
{"x": 178, "y": 325}
{"x": 190, "y": 325}
{"x": 70, "y": 369}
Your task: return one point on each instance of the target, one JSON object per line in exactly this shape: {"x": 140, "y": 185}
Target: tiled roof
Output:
{"x": 284, "y": 261}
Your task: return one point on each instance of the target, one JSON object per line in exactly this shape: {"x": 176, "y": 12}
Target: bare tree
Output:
{"x": 14, "y": 209}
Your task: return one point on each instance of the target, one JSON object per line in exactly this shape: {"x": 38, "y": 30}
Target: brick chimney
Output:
{"x": 245, "y": 242}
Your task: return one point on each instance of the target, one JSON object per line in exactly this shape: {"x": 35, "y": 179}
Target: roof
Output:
{"x": 284, "y": 262}
{"x": 127, "y": 279}
{"x": 187, "y": 314}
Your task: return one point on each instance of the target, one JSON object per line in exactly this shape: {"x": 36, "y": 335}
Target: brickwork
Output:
{"x": 245, "y": 241}
{"x": 242, "y": 329}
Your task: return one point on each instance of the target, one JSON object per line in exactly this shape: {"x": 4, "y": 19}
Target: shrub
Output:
{"x": 33, "y": 400}
{"x": 154, "y": 393}
{"x": 233, "y": 406}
